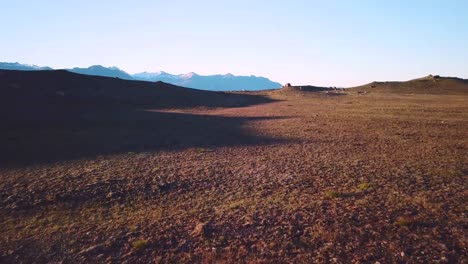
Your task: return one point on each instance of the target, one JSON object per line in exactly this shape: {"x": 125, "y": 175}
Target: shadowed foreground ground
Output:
{"x": 57, "y": 115}
{"x": 308, "y": 177}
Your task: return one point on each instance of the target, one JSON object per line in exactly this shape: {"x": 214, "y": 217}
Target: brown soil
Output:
{"x": 280, "y": 176}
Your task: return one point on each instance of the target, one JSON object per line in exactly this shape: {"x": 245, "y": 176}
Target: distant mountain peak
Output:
{"x": 188, "y": 75}
{"x": 22, "y": 67}
{"x": 100, "y": 70}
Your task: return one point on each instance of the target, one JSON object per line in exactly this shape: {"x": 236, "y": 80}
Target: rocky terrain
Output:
{"x": 363, "y": 175}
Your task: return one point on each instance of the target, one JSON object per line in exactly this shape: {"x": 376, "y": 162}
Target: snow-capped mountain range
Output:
{"x": 219, "y": 82}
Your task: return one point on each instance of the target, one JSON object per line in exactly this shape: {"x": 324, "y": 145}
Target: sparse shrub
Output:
{"x": 140, "y": 244}
{"x": 364, "y": 186}
{"x": 333, "y": 194}
{"x": 405, "y": 221}
{"x": 235, "y": 204}
{"x": 203, "y": 150}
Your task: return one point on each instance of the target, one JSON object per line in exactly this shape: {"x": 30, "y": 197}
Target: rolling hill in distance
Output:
{"x": 431, "y": 84}
{"x": 219, "y": 82}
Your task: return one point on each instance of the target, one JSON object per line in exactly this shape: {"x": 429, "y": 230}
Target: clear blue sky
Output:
{"x": 339, "y": 43}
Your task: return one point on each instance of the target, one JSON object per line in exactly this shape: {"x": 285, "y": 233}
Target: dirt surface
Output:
{"x": 293, "y": 177}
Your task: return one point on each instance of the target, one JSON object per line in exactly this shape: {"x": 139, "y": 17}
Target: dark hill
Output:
{"x": 57, "y": 115}
{"x": 60, "y": 86}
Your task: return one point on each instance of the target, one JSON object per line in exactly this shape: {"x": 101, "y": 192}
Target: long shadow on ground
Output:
{"x": 122, "y": 131}
{"x": 54, "y": 116}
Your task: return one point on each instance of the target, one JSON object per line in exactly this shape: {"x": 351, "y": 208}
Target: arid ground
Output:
{"x": 364, "y": 175}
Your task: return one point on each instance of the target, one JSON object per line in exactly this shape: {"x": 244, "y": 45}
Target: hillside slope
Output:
{"x": 60, "y": 86}
{"x": 426, "y": 85}
{"x": 47, "y": 116}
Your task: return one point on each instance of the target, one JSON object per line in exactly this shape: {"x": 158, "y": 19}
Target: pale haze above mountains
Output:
{"x": 219, "y": 82}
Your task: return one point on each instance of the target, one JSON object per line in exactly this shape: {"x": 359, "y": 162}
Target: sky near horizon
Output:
{"x": 327, "y": 43}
